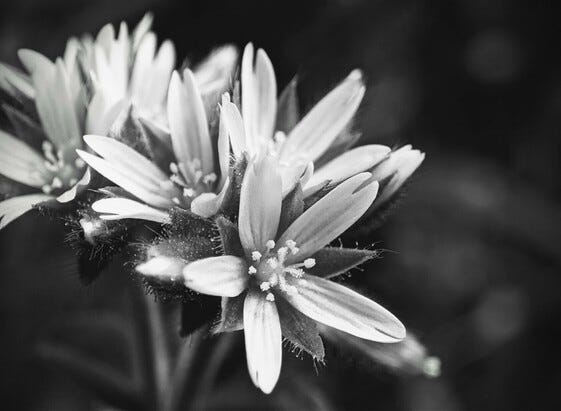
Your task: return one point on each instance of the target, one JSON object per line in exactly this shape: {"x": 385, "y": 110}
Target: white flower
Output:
{"x": 272, "y": 271}
{"x": 257, "y": 128}
{"x": 189, "y": 181}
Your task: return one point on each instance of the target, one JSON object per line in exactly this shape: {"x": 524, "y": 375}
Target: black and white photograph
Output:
{"x": 322, "y": 205}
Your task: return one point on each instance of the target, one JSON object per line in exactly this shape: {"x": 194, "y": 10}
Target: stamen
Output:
{"x": 265, "y": 286}
{"x": 290, "y": 243}
{"x": 282, "y": 252}
{"x": 189, "y": 192}
{"x": 79, "y": 163}
{"x": 256, "y": 256}
{"x": 309, "y": 262}
{"x": 173, "y": 168}
{"x": 47, "y": 189}
{"x": 270, "y": 244}
{"x": 273, "y": 262}
{"x": 176, "y": 200}
{"x": 251, "y": 270}
{"x": 209, "y": 178}
{"x": 56, "y": 183}
{"x": 270, "y": 297}
{"x": 295, "y": 272}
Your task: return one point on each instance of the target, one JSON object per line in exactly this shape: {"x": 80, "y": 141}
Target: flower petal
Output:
{"x": 215, "y": 72}
{"x": 188, "y": 122}
{"x": 20, "y": 162}
{"x": 260, "y": 204}
{"x": 313, "y": 135}
{"x": 399, "y": 166}
{"x": 259, "y": 98}
{"x": 78, "y": 188}
{"x": 121, "y": 208}
{"x": 334, "y": 261}
{"x": 10, "y": 77}
{"x": 129, "y": 169}
{"x": 224, "y": 276}
{"x": 340, "y": 307}
{"x": 16, "y": 206}
{"x": 330, "y": 216}
{"x": 352, "y": 162}
{"x": 263, "y": 341}
{"x": 208, "y": 204}
{"x": 233, "y": 123}
{"x": 162, "y": 268}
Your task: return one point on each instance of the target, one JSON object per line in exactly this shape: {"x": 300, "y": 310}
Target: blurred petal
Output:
{"x": 330, "y": 216}
{"x": 339, "y": 307}
{"x": 16, "y": 206}
{"x": 263, "y": 341}
{"x": 260, "y": 204}
{"x": 188, "y": 122}
{"x": 224, "y": 276}
{"x": 163, "y": 268}
{"x": 122, "y": 208}
{"x": 79, "y": 187}
{"x": 352, "y": 162}
{"x": 215, "y": 72}
{"x": 233, "y": 123}
{"x": 12, "y": 77}
{"x": 313, "y": 135}
{"x": 208, "y": 204}
{"x": 20, "y": 162}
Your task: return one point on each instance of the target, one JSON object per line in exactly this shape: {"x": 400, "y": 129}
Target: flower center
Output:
{"x": 189, "y": 176}
{"x": 63, "y": 172}
{"x": 269, "y": 271}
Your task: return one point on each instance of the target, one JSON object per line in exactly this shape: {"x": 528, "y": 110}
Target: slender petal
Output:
{"x": 10, "y": 77}
{"x": 214, "y": 73}
{"x": 208, "y": 204}
{"x": 141, "y": 29}
{"x": 163, "y": 268}
{"x": 313, "y": 135}
{"x": 231, "y": 118}
{"x": 263, "y": 341}
{"x": 352, "y": 162}
{"x": 15, "y": 207}
{"x": 339, "y": 307}
{"x": 188, "y": 122}
{"x": 79, "y": 187}
{"x": 248, "y": 94}
{"x": 20, "y": 162}
{"x": 260, "y": 204}
{"x": 224, "y": 276}
{"x": 130, "y": 170}
{"x": 330, "y": 216}
{"x": 102, "y": 113}
{"x": 122, "y": 208}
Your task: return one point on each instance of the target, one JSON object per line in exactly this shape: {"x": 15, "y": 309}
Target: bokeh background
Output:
{"x": 476, "y": 242}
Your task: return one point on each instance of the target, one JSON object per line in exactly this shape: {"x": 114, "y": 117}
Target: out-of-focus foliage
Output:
{"x": 473, "y": 248}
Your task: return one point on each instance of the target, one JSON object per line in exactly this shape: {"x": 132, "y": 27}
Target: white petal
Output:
{"x": 80, "y": 186}
{"x": 330, "y": 216}
{"x": 141, "y": 29}
{"x": 339, "y": 307}
{"x": 102, "y": 113}
{"x": 259, "y": 98}
{"x": 20, "y": 162}
{"x": 208, "y": 204}
{"x": 36, "y": 62}
{"x": 215, "y": 72}
{"x": 313, "y": 135}
{"x": 163, "y": 268}
{"x": 232, "y": 119}
{"x": 347, "y": 165}
{"x": 398, "y": 167}
{"x": 224, "y": 276}
{"x": 188, "y": 122}
{"x": 260, "y": 204}
{"x": 16, "y": 206}
{"x": 263, "y": 341}
{"x": 10, "y": 77}
{"x": 122, "y": 208}
{"x": 130, "y": 170}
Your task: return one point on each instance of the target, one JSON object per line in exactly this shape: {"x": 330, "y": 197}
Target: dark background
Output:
{"x": 476, "y": 269}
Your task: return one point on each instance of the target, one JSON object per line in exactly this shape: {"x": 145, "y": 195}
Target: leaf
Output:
{"x": 288, "y": 111}
{"x": 292, "y": 207}
{"x": 300, "y": 330}
{"x": 334, "y": 261}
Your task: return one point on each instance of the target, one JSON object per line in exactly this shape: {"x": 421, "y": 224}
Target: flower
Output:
{"x": 192, "y": 180}
{"x": 53, "y": 102}
{"x": 271, "y": 126}
{"x": 269, "y": 283}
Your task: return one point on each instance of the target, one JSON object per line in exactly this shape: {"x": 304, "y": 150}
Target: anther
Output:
{"x": 251, "y": 270}
{"x": 270, "y": 297}
{"x": 47, "y": 189}
{"x": 270, "y": 244}
{"x": 281, "y": 252}
{"x": 265, "y": 286}
{"x": 176, "y": 200}
{"x": 173, "y": 168}
{"x": 256, "y": 256}
{"x": 273, "y": 262}
{"x": 56, "y": 183}
{"x": 309, "y": 262}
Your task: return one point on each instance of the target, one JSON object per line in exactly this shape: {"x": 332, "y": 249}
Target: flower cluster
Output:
{"x": 210, "y": 158}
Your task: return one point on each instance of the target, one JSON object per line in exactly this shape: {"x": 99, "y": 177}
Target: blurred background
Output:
{"x": 475, "y": 262}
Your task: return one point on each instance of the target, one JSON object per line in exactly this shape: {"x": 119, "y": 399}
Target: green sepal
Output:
{"x": 292, "y": 208}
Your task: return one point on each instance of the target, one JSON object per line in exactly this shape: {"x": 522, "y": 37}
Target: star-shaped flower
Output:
{"x": 268, "y": 284}
{"x": 183, "y": 175}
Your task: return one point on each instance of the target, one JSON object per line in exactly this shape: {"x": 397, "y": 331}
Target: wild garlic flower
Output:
{"x": 268, "y": 287}
{"x": 266, "y": 125}
{"x": 186, "y": 177}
